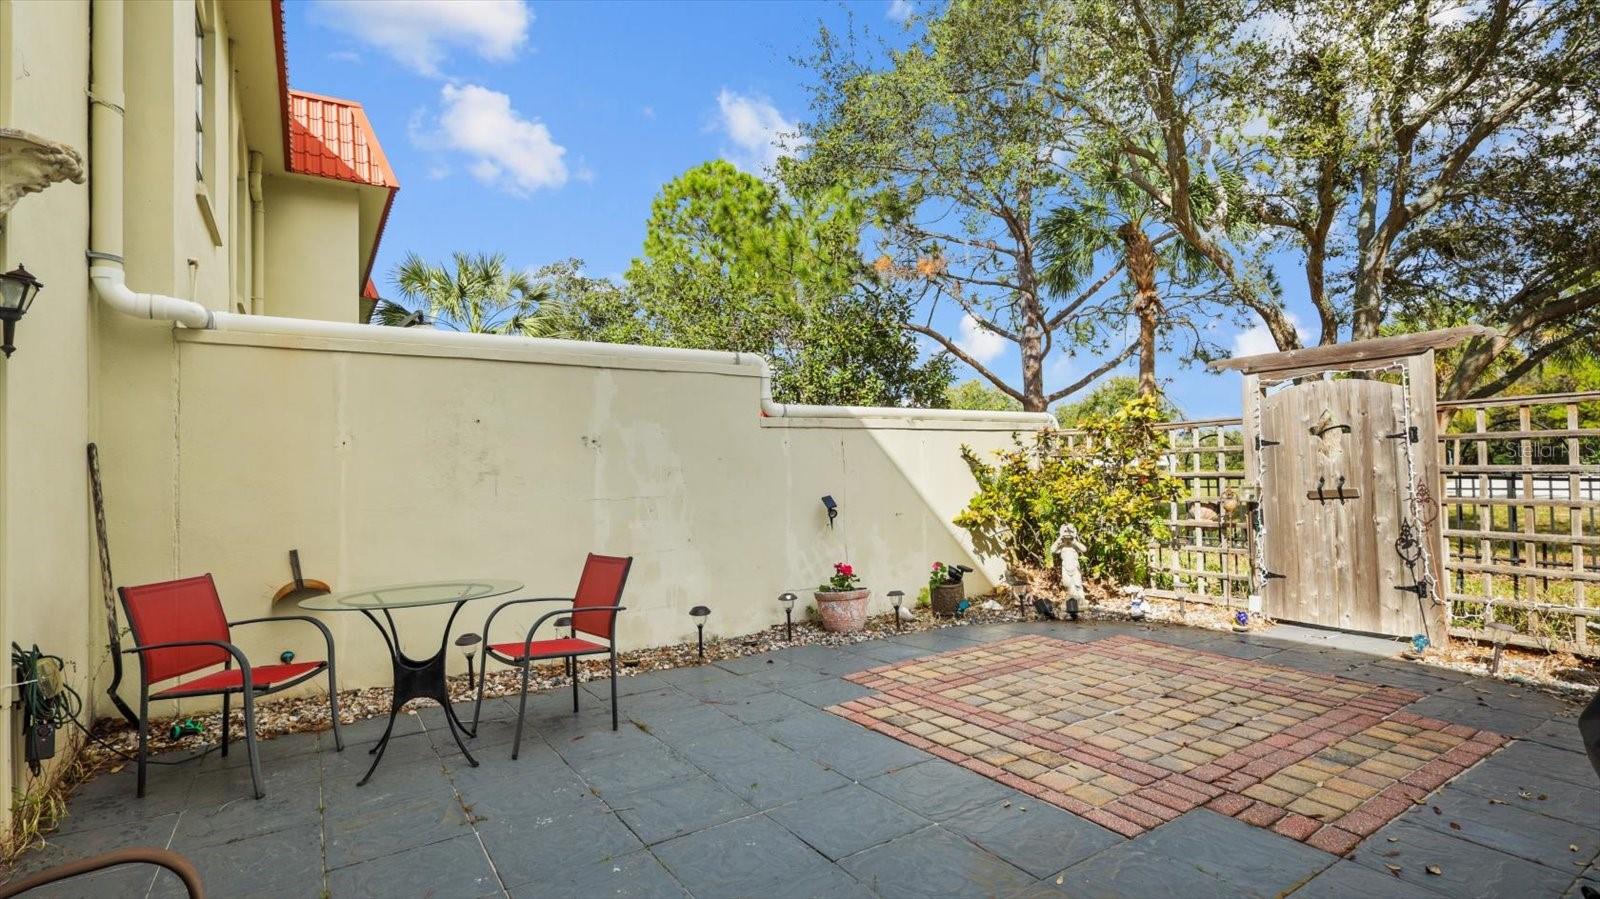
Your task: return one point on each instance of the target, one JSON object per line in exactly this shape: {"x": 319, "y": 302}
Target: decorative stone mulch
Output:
{"x": 1131, "y": 733}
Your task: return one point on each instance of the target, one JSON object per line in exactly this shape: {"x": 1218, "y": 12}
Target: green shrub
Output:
{"x": 1110, "y": 485}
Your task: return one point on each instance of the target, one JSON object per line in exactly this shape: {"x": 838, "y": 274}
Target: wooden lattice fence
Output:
{"x": 1521, "y": 500}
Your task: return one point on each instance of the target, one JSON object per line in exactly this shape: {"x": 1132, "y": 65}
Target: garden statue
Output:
{"x": 1068, "y": 547}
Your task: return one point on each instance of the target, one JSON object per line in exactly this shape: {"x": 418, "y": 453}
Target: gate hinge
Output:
{"x": 1419, "y": 588}
{"x": 1262, "y": 443}
{"x": 1269, "y": 575}
{"x": 1410, "y": 435}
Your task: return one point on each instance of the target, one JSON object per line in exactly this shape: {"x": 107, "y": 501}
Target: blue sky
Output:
{"x": 544, "y": 130}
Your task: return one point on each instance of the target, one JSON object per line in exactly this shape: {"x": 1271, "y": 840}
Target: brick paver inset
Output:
{"x": 1132, "y": 733}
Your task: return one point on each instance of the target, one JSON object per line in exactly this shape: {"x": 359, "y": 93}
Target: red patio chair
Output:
{"x": 179, "y": 628}
{"x": 593, "y": 611}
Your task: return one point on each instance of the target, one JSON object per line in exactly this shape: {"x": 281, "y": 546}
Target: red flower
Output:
{"x": 938, "y": 566}
{"x": 844, "y": 569}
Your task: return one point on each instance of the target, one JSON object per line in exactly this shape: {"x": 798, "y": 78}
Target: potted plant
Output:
{"x": 842, "y": 601}
{"x": 945, "y": 590}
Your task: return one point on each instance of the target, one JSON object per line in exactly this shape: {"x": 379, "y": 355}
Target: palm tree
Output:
{"x": 481, "y": 295}
{"x": 1112, "y": 218}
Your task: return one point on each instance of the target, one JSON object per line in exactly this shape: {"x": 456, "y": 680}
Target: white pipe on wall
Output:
{"x": 258, "y": 238}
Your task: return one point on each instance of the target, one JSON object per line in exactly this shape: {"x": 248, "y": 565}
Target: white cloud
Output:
{"x": 648, "y": 112}
{"x": 506, "y": 150}
{"x": 979, "y": 342}
{"x": 759, "y": 132}
{"x": 1256, "y": 339}
{"x": 420, "y": 33}
{"x": 899, "y": 10}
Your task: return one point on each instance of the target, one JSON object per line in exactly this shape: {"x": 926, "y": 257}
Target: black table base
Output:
{"x": 416, "y": 679}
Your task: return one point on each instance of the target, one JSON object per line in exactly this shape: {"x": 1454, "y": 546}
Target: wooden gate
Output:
{"x": 1333, "y": 473}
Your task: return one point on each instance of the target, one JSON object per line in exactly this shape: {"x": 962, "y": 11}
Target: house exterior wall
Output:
{"x": 46, "y": 410}
{"x": 311, "y": 227}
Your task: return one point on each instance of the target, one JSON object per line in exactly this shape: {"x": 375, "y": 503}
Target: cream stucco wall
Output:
{"x": 312, "y": 227}
{"x": 385, "y": 463}
{"x": 45, "y": 407}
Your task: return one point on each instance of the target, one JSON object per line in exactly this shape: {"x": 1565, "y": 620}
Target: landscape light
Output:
{"x": 788, "y": 600}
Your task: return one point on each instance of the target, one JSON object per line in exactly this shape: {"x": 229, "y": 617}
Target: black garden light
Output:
{"x": 787, "y": 600}
{"x": 832, "y": 507}
{"x": 17, "y": 290}
{"x": 469, "y": 647}
{"x": 700, "y": 614}
{"x": 898, "y": 598}
{"x": 1072, "y": 607}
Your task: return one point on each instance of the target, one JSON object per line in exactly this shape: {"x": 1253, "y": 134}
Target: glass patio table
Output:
{"x": 413, "y": 678}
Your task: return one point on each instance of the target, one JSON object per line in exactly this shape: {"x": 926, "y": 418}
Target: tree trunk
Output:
{"x": 1140, "y": 259}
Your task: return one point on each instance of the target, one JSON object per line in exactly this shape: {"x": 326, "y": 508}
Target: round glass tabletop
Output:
{"x": 402, "y": 596}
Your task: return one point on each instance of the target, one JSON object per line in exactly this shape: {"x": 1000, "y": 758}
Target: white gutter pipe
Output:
{"x": 105, "y": 181}
{"x": 258, "y": 238}
{"x": 109, "y": 279}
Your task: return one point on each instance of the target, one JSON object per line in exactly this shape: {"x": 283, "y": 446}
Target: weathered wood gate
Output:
{"x": 1343, "y": 539}
{"x": 1333, "y": 501}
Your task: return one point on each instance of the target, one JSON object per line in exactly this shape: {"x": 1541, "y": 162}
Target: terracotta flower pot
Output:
{"x": 945, "y": 597}
{"x": 844, "y": 611}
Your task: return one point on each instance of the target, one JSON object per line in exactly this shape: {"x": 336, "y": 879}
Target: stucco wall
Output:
{"x": 45, "y": 413}
{"x": 383, "y": 463}
{"x": 313, "y": 237}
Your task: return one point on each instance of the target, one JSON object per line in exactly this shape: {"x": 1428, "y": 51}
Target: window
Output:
{"x": 199, "y": 96}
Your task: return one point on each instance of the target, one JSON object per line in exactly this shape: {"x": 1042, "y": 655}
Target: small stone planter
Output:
{"x": 843, "y": 611}
{"x": 945, "y": 597}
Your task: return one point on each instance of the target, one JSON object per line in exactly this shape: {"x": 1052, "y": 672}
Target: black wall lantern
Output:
{"x": 17, "y": 290}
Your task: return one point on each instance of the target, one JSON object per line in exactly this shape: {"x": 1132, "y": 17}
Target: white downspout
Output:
{"x": 105, "y": 181}
{"x": 258, "y": 238}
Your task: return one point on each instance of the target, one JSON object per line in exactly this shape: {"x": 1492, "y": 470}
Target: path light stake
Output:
{"x": 469, "y": 647}
{"x": 787, "y": 600}
{"x": 700, "y": 614}
{"x": 1501, "y": 630}
{"x": 897, "y": 597}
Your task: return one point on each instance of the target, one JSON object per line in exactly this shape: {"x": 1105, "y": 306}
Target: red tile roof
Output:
{"x": 332, "y": 138}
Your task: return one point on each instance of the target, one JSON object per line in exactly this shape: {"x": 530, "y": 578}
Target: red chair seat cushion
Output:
{"x": 261, "y": 677}
{"x": 548, "y": 649}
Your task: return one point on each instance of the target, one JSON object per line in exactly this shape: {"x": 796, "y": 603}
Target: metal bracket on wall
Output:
{"x": 1263, "y": 443}
{"x": 1409, "y": 434}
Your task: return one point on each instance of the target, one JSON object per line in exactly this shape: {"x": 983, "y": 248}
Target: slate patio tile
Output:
{"x": 1126, "y": 870}
{"x": 779, "y": 777}
{"x": 1466, "y": 869}
{"x": 751, "y": 664}
{"x": 546, "y": 790}
{"x": 939, "y": 790}
{"x": 110, "y": 800}
{"x": 1348, "y": 880}
{"x": 728, "y": 746}
{"x": 764, "y": 707}
{"x": 637, "y": 875}
{"x": 1259, "y": 861}
{"x": 865, "y": 755}
{"x": 527, "y": 848}
{"x": 1516, "y": 831}
{"x": 880, "y": 652}
{"x": 390, "y": 784}
{"x": 677, "y": 808}
{"x": 282, "y": 863}
{"x": 1474, "y": 714}
{"x": 1525, "y": 756}
{"x": 1532, "y": 792}
{"x": 584, "y": 744}
{"x": 847, "y": 820}
{"x": 826, "y": 692}
{"x": 809, "y": 729}
{"x": 1034, "y": 836}
{"x": 297, "y": 806}
{"x": 60, "y": 848}
{"x": 357, "y": 837}
{"x": 752, "y": 857}
{"x": 627, "y": 685}
{"x": 452, "y": 868}
{"x": 678, "y": 725}
{"x": 934, "y": 862}
{"x": 615, "y": 774}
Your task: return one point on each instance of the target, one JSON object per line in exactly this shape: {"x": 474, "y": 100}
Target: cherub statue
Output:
{"x": 1068, "y": 548}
